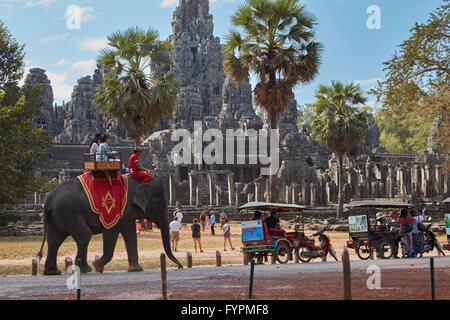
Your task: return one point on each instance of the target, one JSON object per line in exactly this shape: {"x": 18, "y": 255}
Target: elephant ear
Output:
{"x": 141, "y": 196}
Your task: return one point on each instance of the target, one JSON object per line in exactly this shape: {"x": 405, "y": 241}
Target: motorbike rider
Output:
{"x": 273, "y": 224}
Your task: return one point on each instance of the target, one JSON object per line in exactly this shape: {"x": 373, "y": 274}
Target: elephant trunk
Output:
{"x": 165, "y": 237}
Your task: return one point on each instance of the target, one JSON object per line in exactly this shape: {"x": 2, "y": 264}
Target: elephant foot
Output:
{"x": 86, "y": 269}
{"x": 98, "y": 266}
{"x": 136, "y": 268}
{"x": 52, "y": 272}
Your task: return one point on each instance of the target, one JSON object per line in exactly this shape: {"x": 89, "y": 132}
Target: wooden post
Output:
{"x": 218, "y": 259}
{"x": 189, "y": 260}
{"x": 347, "y": 274}
{"x": 246, "y": 257}
{"x": 34, "y": 265}
{"x": 296, "y": 259}
{"x": 67, "y": 264}
{"x": 163, "y": 276}
{"x": 78, "y": 273}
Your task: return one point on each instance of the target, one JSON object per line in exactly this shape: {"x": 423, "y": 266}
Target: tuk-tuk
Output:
{"x": 368, "y": 234}
{"x": 447, "y": 223}
{"x": 258, "y": 242}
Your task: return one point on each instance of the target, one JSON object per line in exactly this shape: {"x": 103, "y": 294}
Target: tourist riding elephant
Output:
{"x": 67, "y": 212}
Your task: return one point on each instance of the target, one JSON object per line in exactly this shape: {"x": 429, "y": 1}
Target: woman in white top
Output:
{"x": 93, "y": 147}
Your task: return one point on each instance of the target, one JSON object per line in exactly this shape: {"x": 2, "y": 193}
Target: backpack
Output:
{"x": 407, "y": 227}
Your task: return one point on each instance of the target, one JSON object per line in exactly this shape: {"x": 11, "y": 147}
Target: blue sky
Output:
{"x": 353, "y": 52}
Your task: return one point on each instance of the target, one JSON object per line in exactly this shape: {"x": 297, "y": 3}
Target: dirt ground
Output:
{"x": 16, "y": 253}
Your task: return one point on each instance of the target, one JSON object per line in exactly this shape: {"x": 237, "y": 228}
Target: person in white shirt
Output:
{"x": 417, "y": 236}
{"x": 93, "y": 147}
{"x": 175, "y": 233}
{"x": 179, "y": 216}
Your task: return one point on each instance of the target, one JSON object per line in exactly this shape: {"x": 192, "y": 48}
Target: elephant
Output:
{"x": 67, "y": 213}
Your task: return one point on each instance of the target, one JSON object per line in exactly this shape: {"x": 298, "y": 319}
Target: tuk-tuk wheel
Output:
{"x": 364, "y": 251}
{"x": 283, "y": 252}
{"x": 298, "y": 252}
{"x": 386, "y": 250}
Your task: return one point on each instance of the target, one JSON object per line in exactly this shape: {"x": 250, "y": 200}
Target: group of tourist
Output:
{"x": 206, "y": 219}
{"x": 411, "y": 231}
{"x": 102, "y": 151}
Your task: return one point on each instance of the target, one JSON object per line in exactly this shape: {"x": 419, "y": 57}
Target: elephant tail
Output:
{"x": 39, "y": 255}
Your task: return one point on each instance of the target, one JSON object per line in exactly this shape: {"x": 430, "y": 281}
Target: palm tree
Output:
{"x": 132, "y": 90}
{"x": 276, "y": 45}
{"x": 340, "y": 123}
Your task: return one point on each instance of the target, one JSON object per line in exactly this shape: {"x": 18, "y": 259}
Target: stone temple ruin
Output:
{"x": 308, "y": 171}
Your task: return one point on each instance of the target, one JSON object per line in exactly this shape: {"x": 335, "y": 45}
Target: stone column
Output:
{"x": 327, "y": 193}
{"x": 218, "y": 194}
{"x": 238, "y": 193}
{"x": 425, "y": 180}
{"x": 414, "y": 178}
{"x": 197, "y": 197}
{"x": 294, "y": 188}
{"x": 313, "y": 187}
{"x": 305, "y": 192}
{"x": 191, "y": 189}
{"x": 267, "y": 190}
{"x": 257, "y": 191}
{"x": 211, "y": 190}
{"x": 249, "y": 197}
{"x": 171, "y": 191}
{"x": 390, "y": 182}
{"x": 230, "y": 189}
{"x": 438, "y": 180}
{"x": 288, "y": 194}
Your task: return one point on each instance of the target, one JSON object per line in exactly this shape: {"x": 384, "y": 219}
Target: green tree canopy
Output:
{"x": 273, "y": 39}
{"x": 132, "y": 92}
{"x": 21, "y": 148}
{"x": 417, "y": 85}
{"x": 340, "y": 122}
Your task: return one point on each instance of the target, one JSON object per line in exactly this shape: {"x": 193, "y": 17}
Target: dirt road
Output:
{"x": 400, "y": 279}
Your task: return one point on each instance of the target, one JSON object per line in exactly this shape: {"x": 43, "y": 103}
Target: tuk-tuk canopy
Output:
{"x": 378, "y": 204}
{"x": 446, "y": 200}
{"x": 268, "y": 206}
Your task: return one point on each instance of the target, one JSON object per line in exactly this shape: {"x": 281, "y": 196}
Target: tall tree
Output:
{"x": 274, "y": 40}
{"x": 131, "y": 91}
{"x": 340, "y": 123}
{"x": 11, "y": 65}
{"x": 417, "y": 84}
{"x": 21, "y": 145}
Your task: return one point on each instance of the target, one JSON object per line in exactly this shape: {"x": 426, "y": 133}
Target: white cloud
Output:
{"x": 32, "y": 3}
{"x": 86, "y": 14}
{"x": 368, "y": 82}
{"x": 61, "y": 62}
{"x": 84, "y": 66}
{"x": 55, "y": 38}
{"x": 167, "y": 3}
{"x": 93, "y": 44}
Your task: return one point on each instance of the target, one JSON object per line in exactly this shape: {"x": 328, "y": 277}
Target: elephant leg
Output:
{"x": 82, "y": 238}
{"x": 109, "y": 244}
{"x": 54, "y": 240}
{"x": 130, "y": 238}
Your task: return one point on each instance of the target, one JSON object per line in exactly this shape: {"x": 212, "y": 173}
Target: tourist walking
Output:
{"x": 406, "y": 223}
{"x": 196, "y": 236}
{"x": 203, "y": 220}
{"x": 179, "y": 216}
{"x": 223, "y": 217}
{"x": 226, "y": 229}
{"x": 174, "y": 227}
{"x": 212, "y": 222}
{"x": 417, "y": 235}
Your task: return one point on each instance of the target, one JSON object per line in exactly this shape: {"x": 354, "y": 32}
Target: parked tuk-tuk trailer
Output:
{"x": 366, "y": 237}
{"x": 447, "y": 222}
{"x": 257, "y": 240}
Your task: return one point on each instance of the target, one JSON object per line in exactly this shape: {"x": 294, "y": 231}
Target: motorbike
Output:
{"x": 431, "y": 242}
{"x": 307, "y": 250}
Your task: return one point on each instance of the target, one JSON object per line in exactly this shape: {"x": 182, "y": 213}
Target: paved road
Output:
{"x": 146, "y": 285}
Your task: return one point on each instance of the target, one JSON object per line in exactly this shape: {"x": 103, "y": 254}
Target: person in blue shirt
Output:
{"x": 104, "y": 151}
{"x": 212, "y": 222}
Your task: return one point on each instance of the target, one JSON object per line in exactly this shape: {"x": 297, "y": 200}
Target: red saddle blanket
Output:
{"x": 108, "y": 201}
